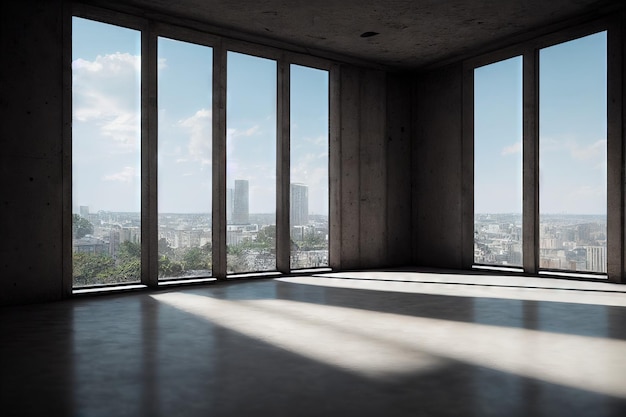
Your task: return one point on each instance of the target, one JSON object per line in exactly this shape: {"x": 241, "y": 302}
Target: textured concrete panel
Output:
{"x": 373, "y": 162}
{"x": 399, "y": 177}
{"x": 437, "y": 141}
{"x": 31, "y": 161}
{"x": 350, "y": 169}
{"x": 363, "y": 168}
{"x": 410, "y": 33}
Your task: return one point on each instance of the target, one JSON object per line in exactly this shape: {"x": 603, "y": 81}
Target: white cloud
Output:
{"x": 588, "y": 155}
{"x": 200, "y": 129}
{"x": 588, "y": 198}
{"x": 586, "y": 151}
{"x": 106, "y": 98}
{"x": 123, "y": 128}
{"x": 251, "y": 131}
{"x": 110, "y": 65}
{"x": 234, "y": 133}
{"x": 595, "y": 150}
{"x": 587, "y": 191}
{"x": 512, "y": 149}
{"x": 125, "y": 175}
{"x": 232, "y": 136}
{"x": 321, "y": 140}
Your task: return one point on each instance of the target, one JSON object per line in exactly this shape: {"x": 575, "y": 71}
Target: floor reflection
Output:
{"x": 380, "y": 345}
{"x": 308, "y": 347}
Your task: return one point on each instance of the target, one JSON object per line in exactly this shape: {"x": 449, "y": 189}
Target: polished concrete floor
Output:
{"x": 394, "y": 343}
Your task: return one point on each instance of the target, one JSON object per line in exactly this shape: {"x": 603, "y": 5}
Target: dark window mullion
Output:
{"x": 149, "y": 134}
{"x": 530, "y": 211}
{"x": 219, "y": 162}
{"x": 283, "y": 246}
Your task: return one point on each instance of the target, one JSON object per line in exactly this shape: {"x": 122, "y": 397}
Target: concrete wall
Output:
{"x": 374, "y": 195}
{"x": 31, "y": 156}
{"x": 375, "y": 204}
{"x": 437, "y": 162}
{"x": 399, "y": 172}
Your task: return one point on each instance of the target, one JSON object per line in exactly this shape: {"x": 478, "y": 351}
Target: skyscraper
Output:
{"x": 299, "y": 205}
{"x": 596, "y": 258}
{"x": 229, "y": 205}
{"x": 241, "y": 213}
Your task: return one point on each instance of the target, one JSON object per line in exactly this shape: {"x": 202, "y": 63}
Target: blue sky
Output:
{"x": 572, "y": 130}
{"x": 106, "y": 124}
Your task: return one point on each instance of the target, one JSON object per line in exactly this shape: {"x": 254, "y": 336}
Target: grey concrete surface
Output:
{"x": 394, "y": 343}
{"x": 31, "y": 159}
{"x": 411, "y": 33}
{"x": 437, "y": 173}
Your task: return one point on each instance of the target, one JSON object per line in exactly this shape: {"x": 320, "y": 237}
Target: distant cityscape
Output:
{"x": 250, "y": 237}
{"x": 567, "y": 242}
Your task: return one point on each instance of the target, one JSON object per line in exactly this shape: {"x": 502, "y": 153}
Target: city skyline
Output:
{"x": 106, "y": 65}
{"x": 239, "y": 196}
{"x": 566, "y": 242}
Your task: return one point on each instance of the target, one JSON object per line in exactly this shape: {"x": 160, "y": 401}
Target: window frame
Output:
{"x": 529, "y": 51}
{"x": 193, "y": 32}
{"x": 181, "y": 34}
{"x": 516, "y": 268}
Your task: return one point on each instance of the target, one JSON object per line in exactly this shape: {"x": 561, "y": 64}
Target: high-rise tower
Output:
{"x": 299, "y": 205}
{"x": 241, "y": 213}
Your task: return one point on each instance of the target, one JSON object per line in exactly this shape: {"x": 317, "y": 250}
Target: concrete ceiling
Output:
{"x": 411, "y": 33}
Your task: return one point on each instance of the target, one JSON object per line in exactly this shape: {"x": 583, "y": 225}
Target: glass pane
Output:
{"x": 498, "y": 163}
{"x": 106, "y": 140}
{"x": 572, "y": 151}
{"x": 309, "y": 167}
{"x": 185, "y": 164}
{"x": 251, "y": 163}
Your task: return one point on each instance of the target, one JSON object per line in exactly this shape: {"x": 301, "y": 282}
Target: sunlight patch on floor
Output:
{"x": 384, "y": 345}
{"x": 467, "y": 290}
{"x": 298, "y": 329}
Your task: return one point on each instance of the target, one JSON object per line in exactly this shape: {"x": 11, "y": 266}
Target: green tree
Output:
{"x": 81, "y": 226}
{"x": 128, "y": 265}
{"x": 129, "y": 250}
{"x": 91, "y": 268}
{"x": 266, "y": 237}
{"x": 129, "y": 270}
{"x": 236, "y": 259}
{"x": 313, "y": 241}
{"x": 195, "y": 258}
{"x": 164, "y": 247}
{"x": 207, "y": 248}
{"x": 167, "y": 268}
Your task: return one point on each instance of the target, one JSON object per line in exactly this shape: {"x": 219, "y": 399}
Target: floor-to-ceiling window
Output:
{"x": 150, "y": 162}
{"x": 251, "y": 163}
{"x": 572, "y": 153}
{"x": 308, "y": 209}
{"x": 184, "y": 158}
{"x": 551, "y": 99}
{"x": 498, "y": 163}
{"x": 106, "y": 146}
